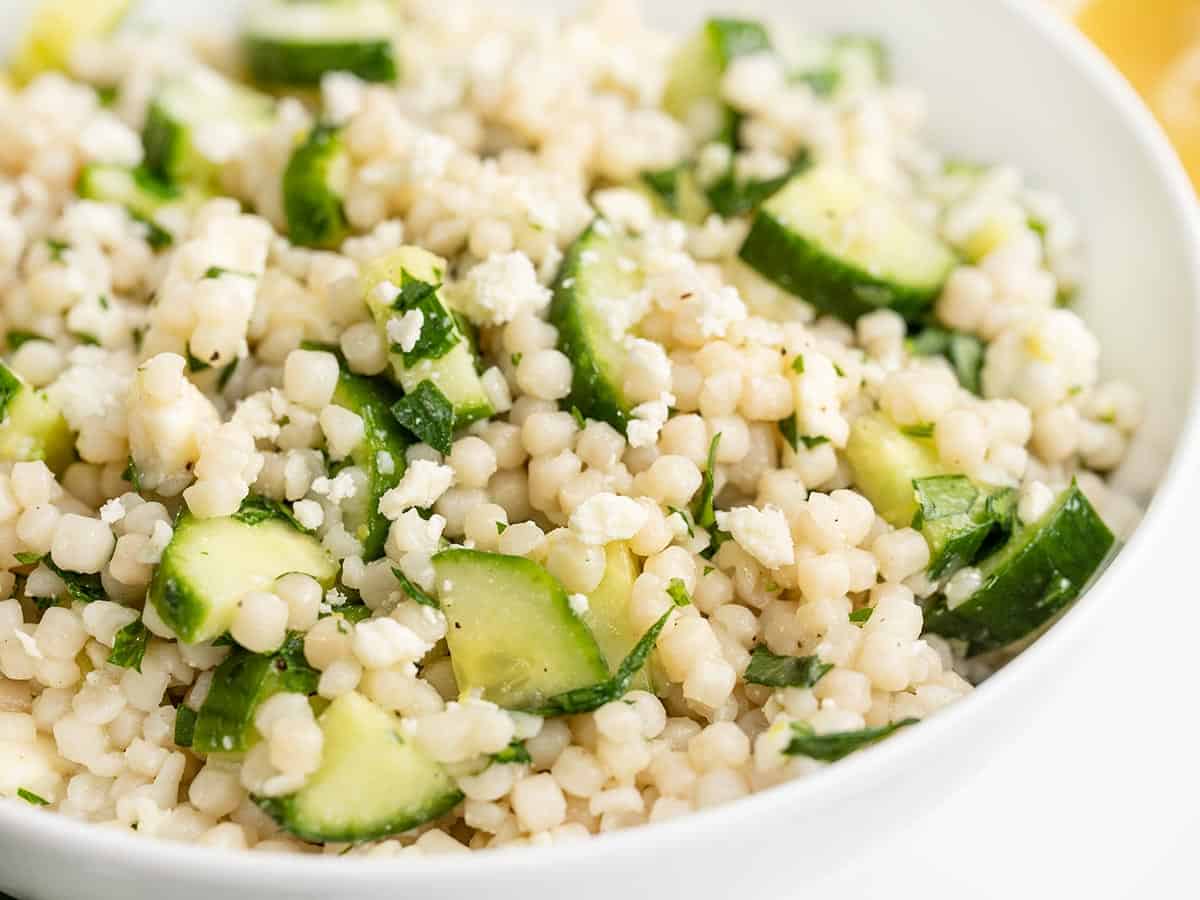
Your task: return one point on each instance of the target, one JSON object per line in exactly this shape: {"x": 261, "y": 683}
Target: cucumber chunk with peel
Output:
{"x": 608, "y": 614}
{"x": 31, "y": 426}
{"x": 314, "y": 184}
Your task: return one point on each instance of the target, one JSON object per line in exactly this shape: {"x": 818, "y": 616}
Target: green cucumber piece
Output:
{"x": 449, "y": 362}
{"x": 885, "y": 462}
{"x": 201, "y": 99}
{"x": 289, "y": 44}
{"x": 677, "y": 192}
{"x": 371, "y": 399}
{"x": 31, "y": 426}
{"x": 240, "y": 685}
{"x": 694, "y": 78}
{"x": 607, "y": 612}
{"x": 1042, "y": 568}
{"x": 141, "y": 193}
{"x": 373, "y": 781}
{"x": 210, "y": 564}
{"x": 314, "y": 184}
{"x": 805, "y": 240}
{"x": 511, "y": 630}
{"x": 591, "y": 278}
{"x": 955, "y": 518}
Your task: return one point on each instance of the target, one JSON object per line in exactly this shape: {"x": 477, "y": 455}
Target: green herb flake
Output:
{"x": 813, "y": 440}
{"x": 678, "y": 592}
{"x": 132, "y": 475}
{"x": 769, "y": 669}
{"x": 103, "y": 301}
{"x": 798, "y": 364}
{"x": 31, "y": 798}
{"x": 226, "y": 374}
{"x": 861, "y": 617}
{"x": 80, "y": 588}
{"x": 195, "y": 364}
{"x": 841, "y": 373}
{"x": 17, "y": 339}
{"x": 832, "y": 747}
{"x": 57, "y": 249}
{"x": 428, "y": 414}
{"x": 704, "y": 512}
{"x": 185, "y": 726}
{"x": 218, "y": 271}
{"x": 501, "y": 527}
{"x": 27, "y": 559}
{"x": 920, "y": 430}
{"x": 964, "y": 352}
{"x": 256, "y": 509}
{"x": 129, "y": 648}
{"x": 516, "y": 358}
{"x": 414, "y": 591}
{"x": 86, "y": 338}
{"x": 578, "y": 417}
{"x": 439, "y": 334}
{"x": 514, "y": 753}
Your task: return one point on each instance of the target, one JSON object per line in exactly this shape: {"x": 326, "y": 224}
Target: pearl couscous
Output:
{"x": 430, "y": 430}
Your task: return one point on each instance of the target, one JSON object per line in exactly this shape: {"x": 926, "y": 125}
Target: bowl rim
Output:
{"x": 856, "y": 772}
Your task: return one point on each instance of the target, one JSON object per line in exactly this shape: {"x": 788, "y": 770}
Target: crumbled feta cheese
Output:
{"x": 607, "y": 517}
{"x": 152, "y": 550}
{"x": 309, "y": 514}
{"x": 763, "y": 533}
{"x": 335, "y": 490}
{"x": 342, "y": 96}
{"x": 502, "y": 287}
{"x": 335, "y": 598}
{"x": 579, "y": 604}
{"x": 717, "y": 309}
{"x": 648, "y": 420}
{"x": 112, "y": 512}
{"x": 423, "y": 483}
{"x": 404, "y": 331}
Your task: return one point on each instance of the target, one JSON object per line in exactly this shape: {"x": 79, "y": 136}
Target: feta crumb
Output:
{"x": 335, "y": 598}
{"x": 648, "y": 420}
{"x": 422, "y": 485}
{"x": 607, "y": 517}
{"x": 716, "y": 310}
{"x": 405, "y": 331}
{"x": 309, "y": 514}
{"x": 384, "y": 463}
{"x": 152, "y": 550}
{"x": 763, "y": 533}
{"x": 579, "y": 604}
{"x": 112, "y": 512}
{"x": 335, "y": 490}
{"x": 501, "y": 288}
{"x": 342, "y": 96}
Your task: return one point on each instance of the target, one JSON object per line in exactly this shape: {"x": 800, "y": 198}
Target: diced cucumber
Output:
{"x": 58, "y": 27}
{"x": 596, "y": 276}
{"x": 449, "y": 362}
{"x": 677, "y": 192}
{"x": 142, "y": 194}
{"x": 380, "y": 454}
{"x": 211, "y": 564}
{"x": 31, "y": 427}
{"x": 192, "y": 117}
{"x": 511, "y": 630}
{"x": 608, "y": 611}
{"x": 1042, "y": 568}
{"x": 293, "y": 44}
{"x": 693, "y": 91}
{"x": 225, "y": 722}
{"x": 964, "y": 352}
{"x": 373, "y": 781}
{"x": 314, "y": 184}
{"x": 831, "y": 240}
{"x": 955, "y": 517}
{"x": 885, "y": 462}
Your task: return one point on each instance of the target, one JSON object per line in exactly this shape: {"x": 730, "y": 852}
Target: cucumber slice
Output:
{"x": 372, "y": 399}
{"x": 885, "y": 462}
{"x": 193, "y": 119}
{"x": 442, "y": 356}
{"x": 511, "y": 631}
{"x": 811, "y": 239}
{"x": 607, "y": 612}
{"x": 141, "y": 193}
{"x": 211, "y": 564}
{"x": 373, "y": 782}
{"x": 294, "y": 44}
{"x": 693, "y": 91}
{"x": 225, "y": 722}
{"x": 59, "y": 26}
{"x": 595, "y": 273}
{"x": 314, "y": 184}
{"x": 955, "y": 517}
{"x": 31, "y": 426}
{"x": 677, "y": 192}
{"x": 1041, "y": 569}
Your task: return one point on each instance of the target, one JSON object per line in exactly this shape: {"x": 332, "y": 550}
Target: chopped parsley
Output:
{"x": 769, "y": 669}
{"x": 16, "y": 339}
{"x": 516, "y": 752}
{"x": 427, "y": 413}
{"x": 439, "y": 334}
{"x": 578, "y": 417}
{"x": 185, "y": 726}
{"x": 832, "y": 747}
{"x": 80, "y": 587}
{"x": 678, "y": 592}
{"x": 861, "y": 617}
{"x": 501, "y": 527}
{"x": 414, "y": 591}
{"x": 27, "y": 559}
{"x": 218, "y": 271}
{"x": 798, "y": 364}
{"x": 132, "y": 475}
{"x": 920, "y": 430}
{"x": 256, "y": 509}
{"x": 964, "y": 352}
{"x": 704, "y": 512}
{"x": 129, "y": 648}
{"x": 31, "y": 798}
{"x": 57, "y": 249}
{"x": 516, "y": 358}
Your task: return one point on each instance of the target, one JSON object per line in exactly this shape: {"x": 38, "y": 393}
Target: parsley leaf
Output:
{"x": 438, "y": 334}
{"x": 196, "y": 364}
{"x": 703, "y": 512}
{"x": 813, "y": 440}
{"x": 501, "y": 527}
{"x": 81, "y": 588}
{"x": 769, "y": 669}
{"x": 920, "y": 430}
{"x": 414, "y": 591}
{"x": 129, "y": 648}
{"x": 964, "y": 352}
{"x": 18, "y": 338}
{"x": 665, "y": 183}
{"x": 57, "y": 249}
{"x": 256, "y": 509}
{"x": 515, "y": 752}
{"x": 832, "y": 747}
{"x": 861, "y": 617}
{"x": 295, "y": 674}
{"x": 798, "y": 364}
{"x": 27, "y": 559}
{"x": 218, "y": 271}
{"x": 678, "y": 592}
{"x": 31, "y": 798}
{"x": 132, "y": 475}
{"x": 586, "y": 699}
{"x": 427, "y": 413}
{"x": 578, "y": 417}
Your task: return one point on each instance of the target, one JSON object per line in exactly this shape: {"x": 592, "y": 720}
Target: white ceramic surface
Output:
{"x": 1005, "y": 81}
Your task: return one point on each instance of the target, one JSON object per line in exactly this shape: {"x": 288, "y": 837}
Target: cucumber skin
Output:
{"x": 293, "y": 64}
{"x": 25, "y": 412}
{"x": 372, "y": 400}
{"x": 169, "y": 152}
{"x": 314, "y": 211}
{"x": 1042, "y": 569}
{"x": 802, "y": 268}
{"x": 239, "y": 675}
{"x": 593, "y": 391}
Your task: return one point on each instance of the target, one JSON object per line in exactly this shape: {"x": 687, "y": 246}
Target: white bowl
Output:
{"x": 1006, "y": 81}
